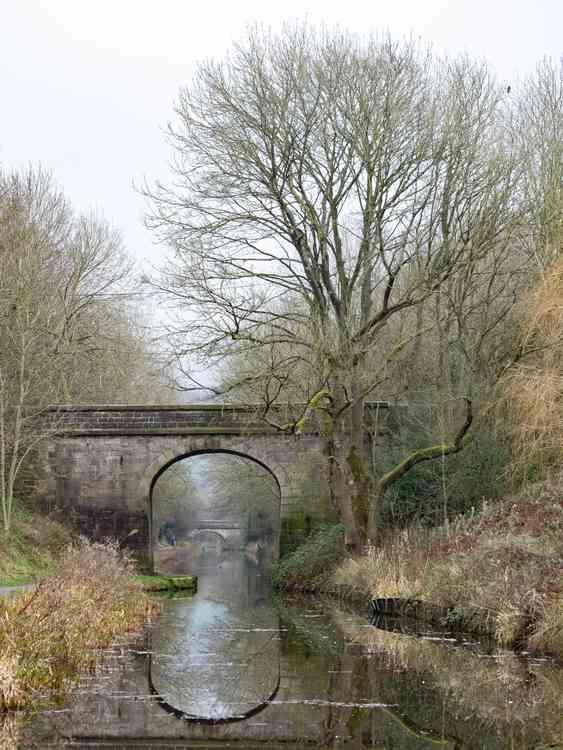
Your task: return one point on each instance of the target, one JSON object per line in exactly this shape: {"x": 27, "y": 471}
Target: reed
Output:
{"x": 53, "y": 636}
{"x": 504, "y": 562}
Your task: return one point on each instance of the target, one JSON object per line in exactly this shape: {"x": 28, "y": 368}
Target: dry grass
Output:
{"x": 11, "y": 727}
{"x": 398, "y": 568}
{"x": 53, "y": 636}
{"x": 506, "y": 561}
{"x": 547, "y": 632}
{"x": 535, "y": 389}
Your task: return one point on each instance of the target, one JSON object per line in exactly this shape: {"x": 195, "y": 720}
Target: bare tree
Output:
{"x": 537, "y": 126}
{"x": 323, "y": 186}
{"x": 32, "y": 219}
{"x": 58, "y": 277}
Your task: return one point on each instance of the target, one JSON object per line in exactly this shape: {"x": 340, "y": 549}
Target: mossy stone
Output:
{"x": 168, "y": 583}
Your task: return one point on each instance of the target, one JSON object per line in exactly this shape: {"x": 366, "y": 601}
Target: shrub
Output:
{"x": 294, "y": 530}
{"x": 394, "y": 570}
{"x": 311, "y": 565}
{"x": 52, "y": 636}
{"x": 504, "y": 562}
{"x": 547, "y": 632}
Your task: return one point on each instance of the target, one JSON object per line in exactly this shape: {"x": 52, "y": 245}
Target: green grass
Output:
{"x": 166, "y": 583}
{"x": 309, "y": 567}
{"x": 32, "y": 546}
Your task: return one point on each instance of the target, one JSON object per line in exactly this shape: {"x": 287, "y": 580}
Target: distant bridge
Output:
{"x": 216, "y": 524}
{"x": 232, "y": 535}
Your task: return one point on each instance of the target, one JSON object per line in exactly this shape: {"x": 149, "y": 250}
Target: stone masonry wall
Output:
{"x": 101, "y": 462}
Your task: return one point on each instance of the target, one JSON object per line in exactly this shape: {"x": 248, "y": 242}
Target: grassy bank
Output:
{"x": 310, "y": 567}
{"x": 167, "y": 583}
{"x": 505, "y": 562}
{"x": 32, "y": 547}
{"x": 51, "y": 637}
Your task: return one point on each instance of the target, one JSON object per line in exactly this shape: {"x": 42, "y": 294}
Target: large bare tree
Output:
{"x": 324, "y": 184}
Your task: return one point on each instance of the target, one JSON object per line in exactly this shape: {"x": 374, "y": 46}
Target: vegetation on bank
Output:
{"x": 166, "y": 583}
{"x": 310, "y": 567}
{"x": 505, "y": 561}
{"x": 53, "y": 636}
{"x": 32, "y": 548}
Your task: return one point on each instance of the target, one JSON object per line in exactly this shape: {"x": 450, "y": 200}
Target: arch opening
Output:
{"x": 207, "y": 502}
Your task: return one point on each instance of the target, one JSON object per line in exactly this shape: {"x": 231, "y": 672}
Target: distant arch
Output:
{"x": 168, "y": 459}
{"x": 197, "y": 534}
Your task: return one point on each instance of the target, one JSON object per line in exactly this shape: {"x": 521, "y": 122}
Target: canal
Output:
{"x": 235, "y": 666}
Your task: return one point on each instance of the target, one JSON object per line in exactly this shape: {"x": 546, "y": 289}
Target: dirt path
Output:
{"x": 13, "y": 589}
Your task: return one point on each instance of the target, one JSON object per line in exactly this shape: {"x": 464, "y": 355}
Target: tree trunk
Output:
{"x": 342, "y": 488}
{"x": 350, "y": 480}
{"x": 374, "y": 517}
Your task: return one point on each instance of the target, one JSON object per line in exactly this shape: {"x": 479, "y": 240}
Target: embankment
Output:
{"x": 32, "y": 547}
{"x": 54, "y": 635}
{"x": 499, "y": 571}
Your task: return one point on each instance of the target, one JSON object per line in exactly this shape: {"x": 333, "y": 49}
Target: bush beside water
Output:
{"x": 310, "y": 566}
{"x": 53, "y": 636}
{"x": 506, "y": 561}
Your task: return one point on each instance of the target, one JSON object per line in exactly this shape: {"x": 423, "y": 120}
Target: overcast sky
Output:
{"x": 87, "y": 86}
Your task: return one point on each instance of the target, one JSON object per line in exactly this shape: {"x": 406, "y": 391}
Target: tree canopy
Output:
{"x": 326, "y": 188}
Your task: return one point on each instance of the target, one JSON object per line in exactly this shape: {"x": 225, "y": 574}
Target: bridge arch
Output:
{"x": 168, "y": 459}
{"x": 206, "y": 452}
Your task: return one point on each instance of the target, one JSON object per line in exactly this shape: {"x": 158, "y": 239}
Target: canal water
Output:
{"x": 234, "y": 666}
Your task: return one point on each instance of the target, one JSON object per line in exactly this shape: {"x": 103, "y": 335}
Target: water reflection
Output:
{"x": 324, "y": 678}
{"x": 216, "y": 657}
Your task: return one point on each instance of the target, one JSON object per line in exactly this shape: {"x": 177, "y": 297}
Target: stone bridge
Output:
{"x": 101, "y": 462}
{"x": 232, "y": 536}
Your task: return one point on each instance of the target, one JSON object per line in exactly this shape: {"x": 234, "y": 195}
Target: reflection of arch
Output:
{"x": 167, "y": 459}
{"x": 179, "y": 714}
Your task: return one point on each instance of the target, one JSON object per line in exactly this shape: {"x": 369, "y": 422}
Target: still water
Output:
{"x": 234, "y": 667}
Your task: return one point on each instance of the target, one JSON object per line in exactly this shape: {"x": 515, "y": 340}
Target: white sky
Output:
{"x": 87, "y": 86}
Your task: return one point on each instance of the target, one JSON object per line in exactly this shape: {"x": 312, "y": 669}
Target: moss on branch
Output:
{"x": 427, "y": 454}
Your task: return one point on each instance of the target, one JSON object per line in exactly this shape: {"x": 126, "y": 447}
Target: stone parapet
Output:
{"x": 211, "y": 419}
